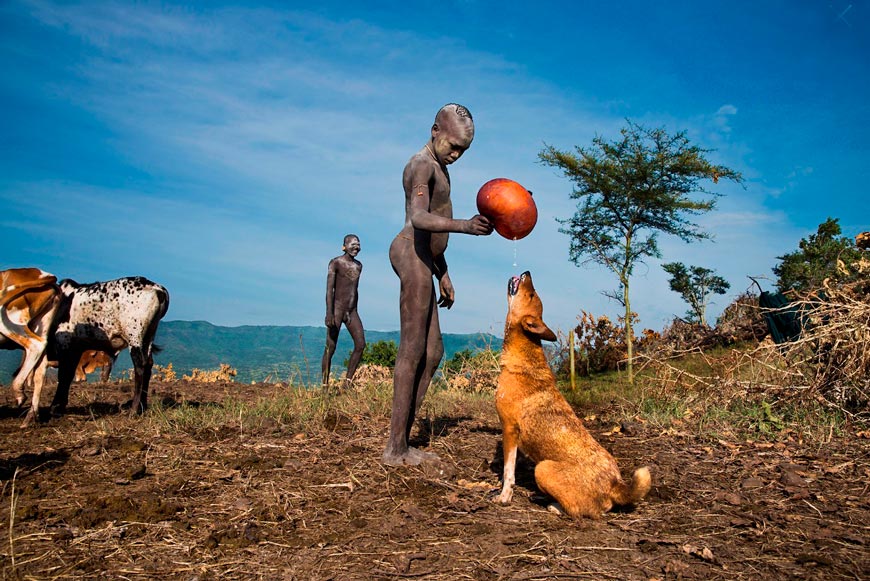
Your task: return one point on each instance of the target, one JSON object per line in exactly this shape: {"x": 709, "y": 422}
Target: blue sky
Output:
{"x": 225, "y": 149}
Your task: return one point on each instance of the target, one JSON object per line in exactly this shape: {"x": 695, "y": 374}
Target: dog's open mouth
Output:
{"x": 514, "y": 283}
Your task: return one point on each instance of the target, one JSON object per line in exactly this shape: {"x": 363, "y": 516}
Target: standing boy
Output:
{"x": 342, "y": 281}
{"x": 417, "y": 254}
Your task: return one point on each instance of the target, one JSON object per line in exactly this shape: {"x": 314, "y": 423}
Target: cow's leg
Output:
{"x": 38, "y": 383}
{"x": 106, "y": 372}
{"x": 80, "y": 374}
{"x": 66, "y": 368}
{"x": 32, "y": 355}
{"x": 142, "y": 363}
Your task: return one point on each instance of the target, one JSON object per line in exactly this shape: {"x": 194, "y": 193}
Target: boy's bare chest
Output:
{"x": 349, "y": 270}
{"x": 439, "y": 199}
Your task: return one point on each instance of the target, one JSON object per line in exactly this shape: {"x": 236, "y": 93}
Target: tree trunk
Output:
{"x": 571, "y": 350}
{"x": 629, "y": 333}
{"x": 702, "y": 304}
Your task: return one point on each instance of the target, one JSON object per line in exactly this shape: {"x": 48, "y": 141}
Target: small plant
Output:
{"x": 369, "y": 373}
{"x": 225, "y": 373}
{"x": 161, "y": 373}
{"x": 600, "y": 345}
{"x": 458, "y": 361}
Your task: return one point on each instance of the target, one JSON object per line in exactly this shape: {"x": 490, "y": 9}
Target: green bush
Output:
{"x": 456, "y": 363}
{"x": 381, "y": 353}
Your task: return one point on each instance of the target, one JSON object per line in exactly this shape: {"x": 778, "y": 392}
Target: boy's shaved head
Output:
{"x": 457, "y": 109}
{"x": 458, "y": 116}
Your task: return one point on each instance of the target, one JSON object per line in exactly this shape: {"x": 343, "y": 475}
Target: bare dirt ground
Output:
{"x": 96, "y": 494}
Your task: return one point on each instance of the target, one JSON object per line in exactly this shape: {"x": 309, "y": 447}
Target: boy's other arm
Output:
{"x": 445, "y": 285}
{"x": 330, "y": 294}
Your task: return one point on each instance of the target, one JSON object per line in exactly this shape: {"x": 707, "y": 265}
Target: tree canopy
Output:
{"x": 816, "y": 259}
{"x": 628, "y": 191}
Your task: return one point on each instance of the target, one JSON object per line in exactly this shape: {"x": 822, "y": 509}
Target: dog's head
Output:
{"x": 525, "y": 308}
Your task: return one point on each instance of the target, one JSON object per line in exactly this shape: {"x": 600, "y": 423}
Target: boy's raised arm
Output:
{"x": 421, "y": 217}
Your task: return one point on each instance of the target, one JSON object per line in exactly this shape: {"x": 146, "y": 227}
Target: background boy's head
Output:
{"x": 351, "y": 242}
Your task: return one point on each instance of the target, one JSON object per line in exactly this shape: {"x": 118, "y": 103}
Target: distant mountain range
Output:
{"x": 257, "y": 352}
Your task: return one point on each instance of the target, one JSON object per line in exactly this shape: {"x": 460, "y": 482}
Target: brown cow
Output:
{"x": 92, "y": 360}
{"x": 29, "y": 299}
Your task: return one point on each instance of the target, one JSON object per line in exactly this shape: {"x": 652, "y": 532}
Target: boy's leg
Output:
{"x": 354, "y": 326}
{"x": 416, "y": 300}
{"x": 331, "y": 340}
{"x": 430, "y": 362}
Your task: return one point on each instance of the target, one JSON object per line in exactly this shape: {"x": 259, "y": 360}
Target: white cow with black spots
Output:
{"x": 108, "y": 316}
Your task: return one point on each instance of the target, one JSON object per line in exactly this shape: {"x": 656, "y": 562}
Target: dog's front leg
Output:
{"x": 509, "y": 447}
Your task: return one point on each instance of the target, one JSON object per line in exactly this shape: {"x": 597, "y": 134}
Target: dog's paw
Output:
{"x": 556, "y": 509}
{"x": 505, "y": 497}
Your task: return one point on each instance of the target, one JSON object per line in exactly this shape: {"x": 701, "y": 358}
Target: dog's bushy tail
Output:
{"x": 632, "y": 493}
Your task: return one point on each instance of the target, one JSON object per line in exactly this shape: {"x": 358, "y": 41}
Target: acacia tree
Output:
{"x": 695, "y": 284}
{"x": 629, "y": 190}
{"x": 817, "y": 258}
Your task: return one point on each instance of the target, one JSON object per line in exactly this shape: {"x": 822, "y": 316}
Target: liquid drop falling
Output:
{"x": 515, "y": 252}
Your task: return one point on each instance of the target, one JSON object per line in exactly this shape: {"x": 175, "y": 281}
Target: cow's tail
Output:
{"x": 162, "y": 308}
{"x": 163, "y": 298}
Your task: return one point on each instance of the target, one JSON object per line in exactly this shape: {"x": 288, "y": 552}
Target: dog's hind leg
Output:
{"x": 510, "y": 444}
{"x": 561, "y": 481}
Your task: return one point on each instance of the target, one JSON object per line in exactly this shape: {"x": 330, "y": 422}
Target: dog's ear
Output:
{"x": 536, "y": 326}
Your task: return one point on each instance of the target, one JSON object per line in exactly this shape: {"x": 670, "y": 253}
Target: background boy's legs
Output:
{"x": 354, "y": 326}
{"x": 329, "y": 350}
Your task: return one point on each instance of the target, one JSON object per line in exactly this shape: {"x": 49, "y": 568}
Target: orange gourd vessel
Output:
{"x": 509, "y": 206}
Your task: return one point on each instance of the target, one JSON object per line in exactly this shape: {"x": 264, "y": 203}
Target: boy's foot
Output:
{"x": 411, "y": 457}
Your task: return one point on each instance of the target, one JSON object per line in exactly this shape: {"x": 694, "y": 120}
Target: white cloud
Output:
{"x": 722, "y": 118}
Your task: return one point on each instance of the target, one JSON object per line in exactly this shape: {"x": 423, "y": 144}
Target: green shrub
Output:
{"x": 381, "y": 353}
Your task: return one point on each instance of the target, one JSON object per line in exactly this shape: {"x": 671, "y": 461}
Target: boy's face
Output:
{"x": 451, "y": 137}
{"x": 352, "y": 246}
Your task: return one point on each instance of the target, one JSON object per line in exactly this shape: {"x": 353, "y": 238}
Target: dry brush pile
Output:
{"x": 831, "y": 358}
{"x": 828, "y": 363}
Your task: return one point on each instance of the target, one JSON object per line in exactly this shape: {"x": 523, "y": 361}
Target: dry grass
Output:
{"x": 278, "y": 481}
{"x": 238, "y": 481}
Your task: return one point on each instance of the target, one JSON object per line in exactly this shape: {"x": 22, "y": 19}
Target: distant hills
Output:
{"x": 257, "y": 352}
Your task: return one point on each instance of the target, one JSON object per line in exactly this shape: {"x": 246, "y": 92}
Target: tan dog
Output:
{"x": 536, "y": 419}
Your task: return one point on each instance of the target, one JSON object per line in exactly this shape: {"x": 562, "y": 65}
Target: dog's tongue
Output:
{"x": 514, "y": 285}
